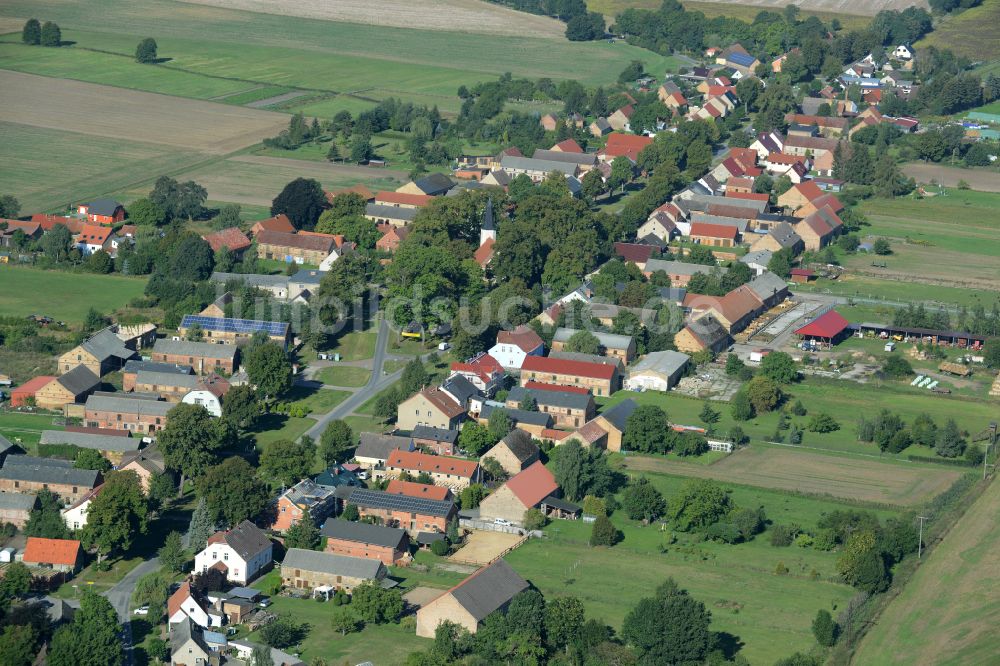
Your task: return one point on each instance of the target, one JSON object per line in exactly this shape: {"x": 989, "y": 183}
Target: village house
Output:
{"x": 799, "y": 195}
{"x": 146, "y": 463}
{"x": 241, "y": 553}
{"x": 469, "y": 603}
{"x": 279, "y": 223}
{"x": 619, "y": 120}
{"x": 374, "y": 449}
{"x": 9, "y": 232}
{"x": 819, "y": 229}
{"x": 230, "y": 331}
{"x": 609, "y": 426}
{"x": 454, "y": 473}
{"x": 484, "y": 371}
{"x": 103, "y": 211}
{"x": 602, "y": 379}
{"x": 567, "y": 408}
{"x": 93, "y": 238}
{"x": 209, "y": 392}
{"x": 414, "y": 489}
{"x": 436, "y": 440}
{"x": 101, "y": 353}
{"x": 298, "y": 248}
{"x": 533, "y": 422}
{"x": 825, "y": 200}
{"x": 657, "y": 371}
{"x": 549, "y": 122}
{"x": 536, "y": 169}
{"x": 388, "y": 545}
{"x": 410, "y": 200}
{"x": 781, "y": 236}
{"x": 16, "y": 508}
{"x": 829, "y": 126}
{"x": 525, "y": 490}
{"x": 599, "y": 127}
{"x": 358, "y": 189}
{"x": 714, "y": 235}
{"x": 24, "y": 394}
{"x": 112, "y": 447}
{"x": 430, "y": 406}
{"x": 170, "y": 386}
{"x": 126, "y": 412}
{"x": 413, "y": 514}
{"x": 28, "y": 474}
{"x": 203, "y": 357}
{"x": 338, "y": 476}
{"x": 584, "y": 162}
{"x": 304, "y": 496}
{"x": 734, "y": 311}
{"x": 232, "y": 239}
{"x": 395, "y": 216}
{"x": 309, "y": 569}
{"x": 74, "y": 386}
{"x": 188, "y": 646}
{"x": 514, "y": 346}
{"x": 679, "y": 272}
{"x": 621, "y": 347}
{"x": 63, "y": 555}
{"x": 769, "y": 289}
{"x": 702, "y": 334}
{"x": 635, "y": 253}
{"x": 392, "y": 236}
{"x": 184, "y": 605}
{"x": 514, "y": 452}
{"x": 75, "y": 515}
{"x": 624, "y": 145}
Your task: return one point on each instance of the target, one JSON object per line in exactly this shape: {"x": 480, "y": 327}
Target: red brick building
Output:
{"x": 412, "y": 514}
{"x": 389, "y": 545}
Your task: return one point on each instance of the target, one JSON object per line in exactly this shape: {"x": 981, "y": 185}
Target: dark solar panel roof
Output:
{"x": 228, "y": 325}
{"x": 376, "y": 499}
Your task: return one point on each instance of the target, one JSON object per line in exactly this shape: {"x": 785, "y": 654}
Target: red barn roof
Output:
{"x": 533, "y": 484}
{"x": 52, "y": 551}
{"x": 411, "y": 489}
{"x": 634, "y": 252}
{"x": 424, "y": 462}
{"x": 562, "y": 366}
{"x": 231, "y": 238}
{"x": 629, "y": 145}
{"x": 828, "y": 325}
{"x": 705, "y": 229}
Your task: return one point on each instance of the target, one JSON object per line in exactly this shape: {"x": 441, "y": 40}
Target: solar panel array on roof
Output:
{"x": 383, "y": 500}
{"x": 228, "y": 325}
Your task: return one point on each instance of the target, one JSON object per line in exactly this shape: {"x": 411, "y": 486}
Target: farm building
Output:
{"x": 469, "y": 603}
{"x": 828, "y": 328}
{"x": 309, "y": 569}
{"x": 20, "y": 396}
{"x": 230, "y": 331}
{"x": 657, "y": 371}
{"x": 389, "y": 545}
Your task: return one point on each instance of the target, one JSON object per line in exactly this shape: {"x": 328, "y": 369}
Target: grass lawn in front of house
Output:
{"x": 344, "y": 375}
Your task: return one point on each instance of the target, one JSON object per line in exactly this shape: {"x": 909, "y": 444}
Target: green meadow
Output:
{"x": 62, "y": 295}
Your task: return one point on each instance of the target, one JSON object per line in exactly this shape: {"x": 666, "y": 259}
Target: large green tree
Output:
{"x": 51, "y": 35}
{"x": 336, "y": 442}
{"x": 145, "y": 51}
{"x": 117, "y": 515}
{"x": 302, "y": 200}
{"x": 303, "y": 533}
{"x": 190, "y": 441}
{"x": 232, "y": 491}
{"x": 287, "y": 462}
{"x": 46, "y": 520}
{"x": 178, "y": 200}
{"x": 646, "y": 430}
{"x": 375, "y": 604}
{"x": 669, "y": 628}
{"x": 642, "y": 501}
{"x": 31, "y": 35}
{"x": 697, "y": 504}
{"x": 92, "y": 639}
{"x": 241, "y": 407}
{"x": 583, "y": 342}
{"x": 201, "y": 527}
{"x": 268, "y": 368}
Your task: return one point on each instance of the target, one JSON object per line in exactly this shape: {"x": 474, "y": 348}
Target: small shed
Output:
{"x": 802, "y": 275}
{"x": 828, "y": 328}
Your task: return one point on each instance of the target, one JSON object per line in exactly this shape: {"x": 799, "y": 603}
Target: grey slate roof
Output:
{"x": 708, "y": 330}
{"x": 329, "y": 563}
{"x": 721, "y": 220}
{"x": 460, "y": 388}
{"x": 246, "y": 539}
{"x": 134, "y": 367}
{"x": 390, "y": 537}
{"x": 373, "y": 445}
{"x": 519, "y": 415}
{"x": 17, "y": 501}
{"x": 618, "y": 415}
{"x": 187, "y": 348}
{"x": 489, "y": 589}
{"x": 86, "y": 440}
{"x": 391, "y": 212}
{"x": 434, "y": 184}
{"x": 166, "y": 379}
{"x": 79, "y": 380}
{"x": 587, "y": 358}
{"x": 488, "y": 224}
{"x": 5, "y": 445}
{"x": 785, "y": 235}
{"x": 126, "y": 405}
{"x": 582, "y": 159}
{"x": 761, "y": 257}
{"x": 676, "y": 267}
{"x": 565, "y": 399}
{"x": 184, "y": 631}
{"x": 149, "y": 458}
{"x": 520, "y": 444}
{"x": 607, "y": 340}
{"x": 667, "y": 362}
{"x": 46, "y": 470}
{"x": 437, "y": 434}
{"x": 103, "y": 206}
{"x": 515, "y": 163}
{"x": 105, "y": 344}
{"x": 766, "y": 285}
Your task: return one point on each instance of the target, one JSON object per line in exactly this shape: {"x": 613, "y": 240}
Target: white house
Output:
{"x": 242, "y": 553}
{"x": 657, "y": 371}
{"x": 183, "y": 604}
{"x": 75, "y": 515}
{"x": 514, "y": 346}
{"x": 206, "y": 398}
{"x": 902, "y": 52}
{"x": 337, "y": 253}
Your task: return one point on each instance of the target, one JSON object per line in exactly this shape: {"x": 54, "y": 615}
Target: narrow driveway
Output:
{"x": 120, "y": 597}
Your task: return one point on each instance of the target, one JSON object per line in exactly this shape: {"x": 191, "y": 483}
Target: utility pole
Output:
{"x": 920, "y": 539}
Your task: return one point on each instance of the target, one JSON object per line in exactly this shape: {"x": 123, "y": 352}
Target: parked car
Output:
{"x": 264, "y": 603}
{"x": 141, "y": 610}
{"x": 502, "y": 521}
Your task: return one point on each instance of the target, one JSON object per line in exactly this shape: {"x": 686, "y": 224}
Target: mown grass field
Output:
{"x": 767, "y": 612}
{"x": 24, "y": 429}
{"x": 845, "y": 401}
{"x": 47, "y": 169}
{"x": 972, "y": 33}
{"x": 61, "y": 295}
{"x": 316, "y": 54}
{"x": 948, "y": 611}
{"x": 785, "y": 468}
{"x": 898, "y": 290}
{"x": 931, "y": 236}
{"x": 344, "y": 375}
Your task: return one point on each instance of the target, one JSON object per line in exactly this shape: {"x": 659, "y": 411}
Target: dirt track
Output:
{"x": 808, "y": 472}
{"x": 131, "y": 115}
{"x": 451, "y": 15}
{"x": 978, "y": 179}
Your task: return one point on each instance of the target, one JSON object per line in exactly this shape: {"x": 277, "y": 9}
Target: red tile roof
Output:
{"x": 827, "y": 201}
{"x": 403, "y": 199}
{"x": 276, "y": 223}
{"x": 629, "y": 145}
{"x": 485, "y": 366}
{"x": 523, "y": 337}
{"x": 555, "y": 435}
{"x": 827, "y": 325}
{"x": 714, "y": 230}
{"x": 732, "y": 210}
{"x": 92, "y": 234}
{"x": 29, "y": 387}
{"x": 74, "y": 224}
{"x": 749, "y": 196}
{"x": 411, "y": 489}
{"x": 365, "y": 193}
{"x": 424, "y": 462}
{"x": 803, "y": 272}
{"x": 568, "y": 146}
{"x": 533, "y": 484}
{"x": 484, "y": 254}
{"x": 297, "y": 241}
{"x": 52, "y": 551}
{"x": 178, "y": 598}
{"x": 809, "y": 190}
{"x": 29, "y": 228}
{"x": 634, "y": 252}
{"x": 561, "y": 366}
{"x": 442, "y": 401}
{"x": 232, "y": 238}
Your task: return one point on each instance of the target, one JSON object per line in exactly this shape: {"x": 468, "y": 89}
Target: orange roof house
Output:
{"x": 276, "y": 223}
{"x": 231, "y": 238}
{"x": 446, "y": 471}
{"x": 722, "y": 235}
{"x": 627, "y": 145}
{"x": 533, "y": 484}
{"x": 20, "y": 395}
{"x": 60, "y": 554}
{"x": 403, "y": 199}
{"x": 411, "y": 489}
{"x": 94, "y": 235}
{"x": 392, "y": 237}
{"x": 567, "y": 146}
